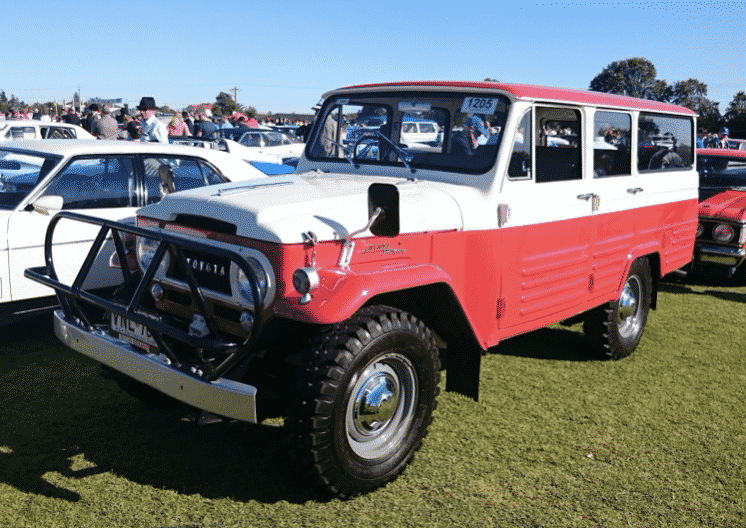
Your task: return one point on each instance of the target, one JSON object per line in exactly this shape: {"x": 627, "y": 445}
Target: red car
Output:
{"x": 720, "y": 247}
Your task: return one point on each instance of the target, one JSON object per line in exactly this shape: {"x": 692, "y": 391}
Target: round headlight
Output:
{"x": 723, "y": 233}
{"x": 146, "y": 248}
{"x": 700, "y": 229}
{"x": 244, "y": 286}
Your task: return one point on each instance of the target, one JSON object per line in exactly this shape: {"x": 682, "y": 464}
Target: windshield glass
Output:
{"x": 717, "y": 173}
{"x": 457, "y": 132}
{"x": 20, "y": 173}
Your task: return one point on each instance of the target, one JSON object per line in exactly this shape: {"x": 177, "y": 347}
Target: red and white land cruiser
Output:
{"x": 329, "y": 296}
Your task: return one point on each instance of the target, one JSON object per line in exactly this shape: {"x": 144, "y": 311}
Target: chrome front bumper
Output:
{"x": 223, "y": 397}
{"x": 719, "y": 255}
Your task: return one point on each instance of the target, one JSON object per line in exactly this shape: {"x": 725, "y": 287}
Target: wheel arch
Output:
{"x": 434, "y": 304}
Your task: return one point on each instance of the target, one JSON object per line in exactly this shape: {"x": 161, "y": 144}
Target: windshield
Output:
{"x": 450, "y": 132}
{"x": 20, "y": 173}
{"x": 717, "y": 173}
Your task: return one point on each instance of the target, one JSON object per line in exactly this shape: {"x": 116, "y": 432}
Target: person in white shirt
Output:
{"x": 153, "y": 128}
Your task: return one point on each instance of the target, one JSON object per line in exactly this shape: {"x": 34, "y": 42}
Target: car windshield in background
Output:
{"x": 20, "y": 173}
{"x": 718, "y": 173}
{"x": 451, "y": 132}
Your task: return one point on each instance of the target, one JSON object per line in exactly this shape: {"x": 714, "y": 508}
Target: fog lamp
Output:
{"x": 246, "y": 320}
{"x": 156, "y": 290}
{"x": 304, "y": 281}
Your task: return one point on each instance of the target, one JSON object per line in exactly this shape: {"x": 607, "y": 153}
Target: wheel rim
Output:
{"x": 381, "y": 406}
{"x": 629, "y": 311}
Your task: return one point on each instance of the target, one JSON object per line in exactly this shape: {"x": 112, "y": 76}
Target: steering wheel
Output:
{"x": 365, "y": 143}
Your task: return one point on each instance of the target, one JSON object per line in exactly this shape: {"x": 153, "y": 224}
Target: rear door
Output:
{"x": 548, "y": 231}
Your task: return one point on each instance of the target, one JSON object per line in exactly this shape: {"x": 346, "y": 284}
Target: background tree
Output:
{"x": 735, "y": 116}
{"x": 692, "y": 94}
{"x": 3, "y": 101}
{"x": 633, "y": 77}
{"x": 224, "y": 104}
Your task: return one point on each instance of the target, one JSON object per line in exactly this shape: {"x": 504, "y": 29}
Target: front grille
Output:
{"x": 211, "y": 272}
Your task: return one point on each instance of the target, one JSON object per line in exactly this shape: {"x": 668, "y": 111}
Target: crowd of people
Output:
{"x": 711, "y": 139}
{"x": 142, "y": 123}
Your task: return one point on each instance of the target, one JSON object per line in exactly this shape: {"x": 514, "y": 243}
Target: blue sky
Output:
{"x": 284, "y": 54}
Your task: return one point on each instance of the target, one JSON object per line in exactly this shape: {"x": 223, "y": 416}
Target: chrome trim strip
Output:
{"x": 223, "y": 397}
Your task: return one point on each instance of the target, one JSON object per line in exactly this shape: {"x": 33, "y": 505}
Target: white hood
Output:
{"x": 281, "y": 209}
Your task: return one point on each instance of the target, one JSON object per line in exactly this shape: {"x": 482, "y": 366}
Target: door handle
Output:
{"x": 586, "y": 197}
{"x": 635, "y": 190}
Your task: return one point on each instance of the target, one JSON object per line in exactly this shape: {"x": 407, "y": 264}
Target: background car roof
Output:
{"x": 526, "y": 92}
{"x": 71, "y": 147}
{"x": 723, "y": 153}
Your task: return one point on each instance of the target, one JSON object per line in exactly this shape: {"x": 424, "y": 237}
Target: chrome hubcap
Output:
{"x": 375, "y": 403}
{"x": 628, "y": 311}
{"x": 381, "y": 406}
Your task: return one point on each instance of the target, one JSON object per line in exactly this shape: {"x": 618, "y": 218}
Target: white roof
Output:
{"x": 231, "y": 165}
{"x": 72, "y": 147}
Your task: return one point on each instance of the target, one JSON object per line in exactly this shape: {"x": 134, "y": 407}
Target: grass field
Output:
{"x": 557, "y": 439}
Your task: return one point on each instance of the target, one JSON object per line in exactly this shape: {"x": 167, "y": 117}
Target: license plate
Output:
{"x": 132, "y": 332}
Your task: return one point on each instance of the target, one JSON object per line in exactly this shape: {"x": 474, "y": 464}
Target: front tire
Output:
{"x": 365, "y": 401}
{"x": 615, "y": 329}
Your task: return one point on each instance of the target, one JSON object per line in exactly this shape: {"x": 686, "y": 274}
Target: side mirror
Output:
{"x": 386, "y": 197}
{"x": 48, "y": 205}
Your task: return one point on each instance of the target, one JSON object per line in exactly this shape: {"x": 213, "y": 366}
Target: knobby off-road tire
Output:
{"x": 616, "y": 328}
{"x": 364, "y": 402}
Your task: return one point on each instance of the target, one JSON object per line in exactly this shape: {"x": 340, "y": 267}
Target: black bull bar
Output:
{"x": 71, "y": 297}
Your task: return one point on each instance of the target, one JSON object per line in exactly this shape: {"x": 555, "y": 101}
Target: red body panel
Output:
{"x": 508, "y": 281}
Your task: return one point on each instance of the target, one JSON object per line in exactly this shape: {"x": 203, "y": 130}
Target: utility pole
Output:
{"x": 235, "y": 91}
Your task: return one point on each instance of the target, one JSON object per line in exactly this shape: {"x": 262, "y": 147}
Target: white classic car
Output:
{"x": 108, "y": 179}
{"x": 35, "y": 129}
{"x": 268, "y": 145}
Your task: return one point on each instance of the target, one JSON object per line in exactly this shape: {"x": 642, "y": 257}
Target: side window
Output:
{"x": 520, "y": 159}
{"x": 22, "y": 132}
{"x": 251, "y": 140}
{"x": 60, "y": 133}
{"x": 94, "y": 183}
{"x": 185, "y": 173}
{"x": 557, "y": 139}
{"x": 612, "y": 155}
{"x": 664, "y": 143}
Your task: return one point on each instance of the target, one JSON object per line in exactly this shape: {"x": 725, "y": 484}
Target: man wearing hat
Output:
{"x": 153, "y": 128}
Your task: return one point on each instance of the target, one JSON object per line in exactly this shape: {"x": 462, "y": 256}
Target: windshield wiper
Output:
{"x": 347, "y": 151}
{"x": 405, "y": 158}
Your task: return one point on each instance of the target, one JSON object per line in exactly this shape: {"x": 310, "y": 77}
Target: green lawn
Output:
{"x": 557, "y": 439}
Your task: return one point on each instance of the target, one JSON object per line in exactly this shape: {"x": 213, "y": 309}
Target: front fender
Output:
{"x": 342, "y": 292}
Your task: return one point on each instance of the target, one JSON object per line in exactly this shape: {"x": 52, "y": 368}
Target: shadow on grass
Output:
{"x": 62, "y": 423}
{"x": 548, "y": 343}
{"x": 685, "y": 288}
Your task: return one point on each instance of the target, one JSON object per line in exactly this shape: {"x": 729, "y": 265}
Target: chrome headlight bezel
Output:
{"x": 145, "y": 249}
{"x": 723, "y": 233}
{"x": 242, "y": 283}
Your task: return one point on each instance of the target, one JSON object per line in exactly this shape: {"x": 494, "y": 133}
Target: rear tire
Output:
{"x": 365, "y": 401}
{"x": 615, "y": 328}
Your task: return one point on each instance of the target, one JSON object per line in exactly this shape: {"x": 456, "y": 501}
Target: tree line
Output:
{"x": 636, "y": 77}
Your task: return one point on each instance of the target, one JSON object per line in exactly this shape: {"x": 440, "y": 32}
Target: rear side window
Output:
{"x": 664, "y": 143}
{"x": 612, "y": 155}
{"x": 186, "y": 173}
{"x": 557, "y": 139}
